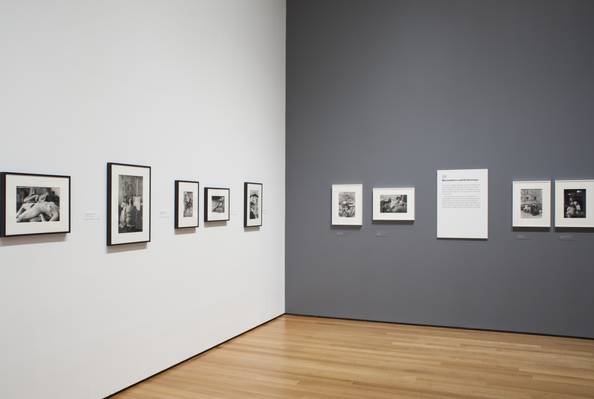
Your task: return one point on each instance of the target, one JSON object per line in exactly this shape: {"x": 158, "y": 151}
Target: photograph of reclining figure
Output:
{"x": 34, "y": 204}
{"x": 38, "y": 204}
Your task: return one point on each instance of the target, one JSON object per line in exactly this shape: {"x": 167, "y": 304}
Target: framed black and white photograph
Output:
{"x": 531, "y": 203}
{"x": 128, "y": 204}
{"x": 186, "y": 204}
{"x": 394, "y": 204}
{"x": 252, "y": 208}
{"x": 347, "y": 204}
{"x": 34, "y": 204}
{"x": 574, "y": 203}
{"x": 216, "y": 204}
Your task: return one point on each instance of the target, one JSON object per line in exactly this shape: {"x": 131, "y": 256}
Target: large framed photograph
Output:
{"x": 216, "y": 204}
{"x": 186, "y": 204}
{"x": 531, "y": 203}
{"x": 34, "y": 204}
{"x": 252, "y": 208}
{"x": 574, "y": 203}
{"x": 347, "y": 204}
{"x": 128, "y": 204}
{"x": 394, "y": 204}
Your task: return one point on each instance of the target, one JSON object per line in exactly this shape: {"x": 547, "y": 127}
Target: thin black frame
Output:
{"x": 177, "y": 182}
{"x": 3, "y": 203}
{"x": 245, "y": 203}
{"x": 109, "y": 194}
{"x": 206, "y": 204}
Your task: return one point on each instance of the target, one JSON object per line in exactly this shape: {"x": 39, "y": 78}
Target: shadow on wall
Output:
{"x": 114, "y": 249}
{"x": 215, "y": 224}
{"x": 186, "y": 231}
{"x": 32, "y": 239}
{"x": 574, "y": 230}
{"x": 345, "y": 227}
{"x": 394, "y": 222}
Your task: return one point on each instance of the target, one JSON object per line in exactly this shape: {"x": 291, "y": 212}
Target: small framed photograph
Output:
{"x": 252, "y": 208}
{"x": 216, "y": 204}
{"x": 574, "y": 203}
{"x": 186, "y": 204}
{"x": 532, "y": 203}
{"x": 128, "y": 204}
{"x": 394, "y": 204}
{"x": 347, "y": 204}
{"x": 34, "y": 204}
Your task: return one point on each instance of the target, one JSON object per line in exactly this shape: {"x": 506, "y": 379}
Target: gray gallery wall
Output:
{"x": 384, "y": 93}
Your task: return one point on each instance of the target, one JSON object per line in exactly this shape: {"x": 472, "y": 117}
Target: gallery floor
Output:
{"x": 309, "y": 357}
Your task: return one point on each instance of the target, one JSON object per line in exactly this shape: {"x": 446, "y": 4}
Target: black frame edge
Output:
{"x": 245, "y": 201}
{"x": 206, "y": 204}
{"x": 108, "y": 213}
{"x": 3, "y": 216}
{"x": 2, "y": 204}
{"x": 176, "y": 206}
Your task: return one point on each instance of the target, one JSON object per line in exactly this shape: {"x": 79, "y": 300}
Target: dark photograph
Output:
{"x": 346, "y": 204}
{"x": 218, "y": 204}
{"x": 393, "y": 203}
{"x": 188, "y": 204}
{"x": 254, "y": 204}
{"x": 37, "y": 204}
{"x": 531, "y": 203}
{"x": 575, "y": 203}
{"x": 130, "y": 202}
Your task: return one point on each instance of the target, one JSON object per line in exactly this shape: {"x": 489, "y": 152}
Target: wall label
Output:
{"x": 90, "y": 216}
{"x": 462, "y": 203}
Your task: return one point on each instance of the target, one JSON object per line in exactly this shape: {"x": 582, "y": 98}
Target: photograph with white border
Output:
{"x": 186, "y": 204}
{"x": 394, "y": 204}
{"x": 252, "y": 197}
{"x": 531, "y": 203}
{"x": 574, "y": 203}
{"x": 129, "y": 204}
{"x": 216, "y": 204}
{"x": 347, "y": 204}
{"x": 34, "y": 204}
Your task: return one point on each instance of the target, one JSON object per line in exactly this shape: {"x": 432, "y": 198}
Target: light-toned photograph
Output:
{"x": 394, "y": 204}
{"x": 186, "y": 204}
{"x": 531, "y": 203}
{"x": 347, "y": 204}
{"x": 216, "y": 204}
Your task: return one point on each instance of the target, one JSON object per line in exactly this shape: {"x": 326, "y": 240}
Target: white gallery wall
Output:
{"x": 196, "y": 90}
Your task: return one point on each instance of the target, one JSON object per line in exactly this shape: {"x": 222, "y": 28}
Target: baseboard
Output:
{"x": 442, "y": 326}
{"x": 192, "y": 357}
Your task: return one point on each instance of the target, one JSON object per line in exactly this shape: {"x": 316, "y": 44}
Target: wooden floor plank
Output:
{"x": 296, "y": 357}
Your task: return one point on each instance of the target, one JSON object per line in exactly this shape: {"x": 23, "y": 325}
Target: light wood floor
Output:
{"x": 308, "y": 357}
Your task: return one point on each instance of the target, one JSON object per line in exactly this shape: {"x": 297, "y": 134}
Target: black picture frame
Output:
{"x": 246, "y": 202}
{"x": 206, "y": 196}
{"x": 3, "y": 203}
{"x": 177, "y": 198}
{"x": 109, "y": 237}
